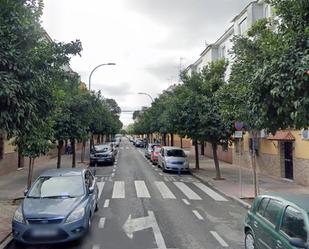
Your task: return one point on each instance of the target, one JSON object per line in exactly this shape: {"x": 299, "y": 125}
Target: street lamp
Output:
{"x": 104, "y": 64}
{"x": 147, "y": 95}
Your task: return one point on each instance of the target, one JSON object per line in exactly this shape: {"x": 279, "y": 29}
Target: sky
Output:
{"x": 149, "y": 40}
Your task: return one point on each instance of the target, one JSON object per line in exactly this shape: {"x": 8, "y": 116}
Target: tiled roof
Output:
{"x": 282, "y": 136}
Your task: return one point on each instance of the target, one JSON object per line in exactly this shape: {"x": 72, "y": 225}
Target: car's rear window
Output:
{"x": 176, "y": 153}
{"x": 157, "y": 149}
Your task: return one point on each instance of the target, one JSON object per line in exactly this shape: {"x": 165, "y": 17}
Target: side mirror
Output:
{"x": 299, "y": 243}
{"x": 26, "y": 192}
{"x": 91, "y": 190}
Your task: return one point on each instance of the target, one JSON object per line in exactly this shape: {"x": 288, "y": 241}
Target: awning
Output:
{"x": 282, "y": 136}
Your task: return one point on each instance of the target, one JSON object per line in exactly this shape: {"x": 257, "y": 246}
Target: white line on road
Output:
{"x": 141, "y": 189}
{"x": 118, "y": 191}
{"x": 160, "y": 174}
{"x": 96, "y": 247}
{"x": 114, "y": 170}
{"x": 186, "y": 201}
{"x": 106, "y": 203}
{"x": 100, "y": 187}
{"x": 101, "y": 223}
{"x": 219, "y": 239}
{"x": 165, "y": 191}
{"x": 187, "y": 191}
{"x": 156, "y": 169}
{"x": 210, "y": 192}
{"x": 197, "y": 214}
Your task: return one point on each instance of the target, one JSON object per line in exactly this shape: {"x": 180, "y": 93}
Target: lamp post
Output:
{"x": 104, "y": 64}
{"x": 147, "y": 95}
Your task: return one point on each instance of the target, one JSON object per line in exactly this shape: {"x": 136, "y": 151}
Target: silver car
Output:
{"x": 173, "y": 159}
{"x": 58, "y": 207}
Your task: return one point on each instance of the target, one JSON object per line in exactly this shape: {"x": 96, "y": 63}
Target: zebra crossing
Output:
{"x": 168, "y": 190}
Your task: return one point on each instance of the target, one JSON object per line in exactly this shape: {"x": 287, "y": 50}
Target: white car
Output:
{"x": 173, "y": 159}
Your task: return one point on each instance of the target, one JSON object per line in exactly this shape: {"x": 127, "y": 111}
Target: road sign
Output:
{"x": 238, "y": 134}
{"x": 138, "y": 224}
{"x": 239, "y": 125}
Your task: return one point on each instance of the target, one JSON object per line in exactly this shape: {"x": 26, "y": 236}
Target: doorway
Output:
{"x": 288, "y": 160}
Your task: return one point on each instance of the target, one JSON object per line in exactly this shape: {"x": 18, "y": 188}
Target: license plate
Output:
{"x": 44, "y": 232}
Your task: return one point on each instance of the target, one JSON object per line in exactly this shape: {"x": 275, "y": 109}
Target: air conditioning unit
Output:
{"x": 305, "y": 134}
{"x": 263, "y": 133}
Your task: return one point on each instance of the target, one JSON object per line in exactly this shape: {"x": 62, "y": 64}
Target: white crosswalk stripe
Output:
{"x": 210, "y": 192}
{"x": 165, "y": 191}
{"x": 100, "y": 187}
{"x": 141, "y": 189}
{"x": 191, "y": 195}
{"x": 118, "y": 191}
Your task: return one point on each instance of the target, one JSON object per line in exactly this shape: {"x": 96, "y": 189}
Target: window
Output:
{"x": 262, "y": 206}
{"x": 293, "y": 224}
{"x": 222, "y": 52}
{"x": 272, "y": 211}
{"x": 266, "y": 11}
{"x": 243, "y": 26}
{"x": 176, "y": 153}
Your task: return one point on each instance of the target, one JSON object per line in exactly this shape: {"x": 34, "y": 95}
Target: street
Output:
{"x": 140, "y": 207}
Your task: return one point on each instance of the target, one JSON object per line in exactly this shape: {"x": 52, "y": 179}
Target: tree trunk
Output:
{"x": 172, "y": 139}
{"x": 253, "y": 161}
{"x": 30, "y": 172}
{"x": 197, "y": 162}
{"x": 202, "y": 148}
{"x": 21, "y": 159}
{"x": 216, "y": 161}
{"x": 73, "y": 153}
{"x": 181, "y": 145}
{"x": 59, "y": 147}
{"x": 82, "y": 157}
{"x": 164, "y": 139}
{"x": 1, "y": 146}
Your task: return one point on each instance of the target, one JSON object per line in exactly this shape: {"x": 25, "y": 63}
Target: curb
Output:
{"x": 234, "y": 198}
{"x": 7, "y": 240}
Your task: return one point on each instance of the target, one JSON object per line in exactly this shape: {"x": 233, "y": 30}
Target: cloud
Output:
{"x": 115, "y": 90}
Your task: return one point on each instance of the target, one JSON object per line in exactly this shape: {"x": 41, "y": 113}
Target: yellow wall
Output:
{"x": 8, "y": 147}
{"x": 266, "y": 146}
{"x": 301, "y": 146}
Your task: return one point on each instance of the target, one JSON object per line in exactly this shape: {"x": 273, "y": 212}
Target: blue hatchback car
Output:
{"x": 58, "y": 207}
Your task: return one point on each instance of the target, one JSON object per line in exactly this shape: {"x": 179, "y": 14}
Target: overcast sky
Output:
{"x": 145, "y": 38}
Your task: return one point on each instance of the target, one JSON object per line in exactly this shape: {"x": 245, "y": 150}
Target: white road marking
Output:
{"x": 106, "y": 203}
{"x": 186, "y": 201}
{"x": 187, "y": 191}
{"x": 165, "y": 191}
{"x": 101, "y": 223}
{"x": 219, "y": 239}
{"x": 197, "y": 214}
{"x": 96, "y": 247}
{"x": 114, "y": 170}
{"x": 113, "y": 174}
{"x": 156, "y": 169}
{"x": 210, "y": 192}
{"x": 118, "y": 191}
{"x": 141, "y": 189}
{"x": 127, "y": 148}
{"x": 100, "y": 187}
{"x": 160, "y": 174}
{"x": 153, "y": 166}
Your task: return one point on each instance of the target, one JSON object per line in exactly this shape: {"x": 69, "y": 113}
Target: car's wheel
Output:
{"x": 96, "y": 207}
{"x": 249, "y": 240}
{"x": 89, "y": 223}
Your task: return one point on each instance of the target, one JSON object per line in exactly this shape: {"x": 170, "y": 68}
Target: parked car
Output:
{"x": 58, "y": 207}
{"x": 155, "y": 153}
{"x": 173, "y": 159}
{"x": 103, "y": 153}
{"x": 149, "y": 149}
{"x": 116, "y": 141}
{"x": 139, "y": 143}
{"x": 278, "y": 221}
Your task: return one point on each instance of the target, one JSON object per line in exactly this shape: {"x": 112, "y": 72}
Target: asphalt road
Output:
{"x": 143, "y": 208}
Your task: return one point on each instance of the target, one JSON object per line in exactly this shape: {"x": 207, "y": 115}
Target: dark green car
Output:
{"x": 278, "y": 221}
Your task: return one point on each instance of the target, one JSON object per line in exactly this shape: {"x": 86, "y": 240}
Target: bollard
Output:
{"x": 179, "y": 171}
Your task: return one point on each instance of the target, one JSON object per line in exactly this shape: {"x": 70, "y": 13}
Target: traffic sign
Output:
{"x": 239, "y": 125}
{"x": 238, "y": 134}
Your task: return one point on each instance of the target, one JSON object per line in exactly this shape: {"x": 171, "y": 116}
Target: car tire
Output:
{"x": 249, "y": 240}
{"x": 96, "y": 209}
{"x": 89, "y": 223}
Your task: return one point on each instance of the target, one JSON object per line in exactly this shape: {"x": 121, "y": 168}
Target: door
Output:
{"x": 288, "y": 160}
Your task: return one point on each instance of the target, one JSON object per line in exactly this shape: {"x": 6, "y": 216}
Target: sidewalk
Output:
{"x": 231, "y": 186}
{"x": 12, "y": 187}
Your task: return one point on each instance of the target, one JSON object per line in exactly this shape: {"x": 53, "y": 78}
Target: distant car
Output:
{"x": 139, "y": 143}
{"x": 149, "y": 149}
{"x": 278, "y": 221}
{"x": 155, "y": 153}
{"x": 173, "y": 159}
{"x": 102, "y": 153}
{"x": 58, "y": 207}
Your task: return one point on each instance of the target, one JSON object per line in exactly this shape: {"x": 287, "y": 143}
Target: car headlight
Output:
{"x": 76, "y": 215}
{"x": 18, "y": 216}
